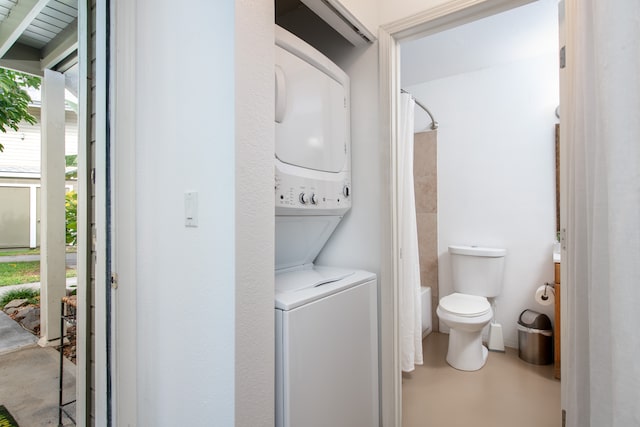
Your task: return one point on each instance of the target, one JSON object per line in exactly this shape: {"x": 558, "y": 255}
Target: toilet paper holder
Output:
{"x": 544, "y": 295}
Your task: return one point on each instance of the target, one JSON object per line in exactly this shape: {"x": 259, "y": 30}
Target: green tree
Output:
{"x": 14, "y": 99}
{"x": 71, "y": 162}
{"x": 71, "y": 214}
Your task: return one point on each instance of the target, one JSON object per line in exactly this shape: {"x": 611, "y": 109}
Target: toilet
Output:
{"x": 477, "y": 275}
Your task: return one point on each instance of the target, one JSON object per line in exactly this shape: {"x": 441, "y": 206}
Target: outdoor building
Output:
{"x": 20, "y": 177}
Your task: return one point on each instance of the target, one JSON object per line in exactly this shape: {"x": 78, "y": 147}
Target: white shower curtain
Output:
{"x": 409, "y": 266}
{"x": 601, "y": 355}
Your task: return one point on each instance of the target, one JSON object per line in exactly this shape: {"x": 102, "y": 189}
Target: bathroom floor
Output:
{"x": 507, "y": 392}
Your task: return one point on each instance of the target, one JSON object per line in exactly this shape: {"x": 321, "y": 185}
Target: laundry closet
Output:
{"x": 327, "y": 226}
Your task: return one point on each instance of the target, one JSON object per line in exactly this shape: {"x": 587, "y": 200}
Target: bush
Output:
{"x": 71, "y": 215}
{"x": 32, "y": 295}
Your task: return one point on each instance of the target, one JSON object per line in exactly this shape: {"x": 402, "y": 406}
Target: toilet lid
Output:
{"x": 465, "y": 305}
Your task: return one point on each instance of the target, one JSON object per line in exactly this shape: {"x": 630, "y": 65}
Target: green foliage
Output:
{"x": 71, "y": 215}
{"x": 71, "y": 163}
{"x": 14, "y": 99}
{"x": 32, "y": 295}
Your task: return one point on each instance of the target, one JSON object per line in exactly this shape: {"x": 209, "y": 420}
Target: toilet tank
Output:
{"x": 476, "y": 270}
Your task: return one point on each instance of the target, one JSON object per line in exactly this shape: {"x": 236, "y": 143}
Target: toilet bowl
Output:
{"x": 476, "y": 274}
{"x": 466, "y": 316}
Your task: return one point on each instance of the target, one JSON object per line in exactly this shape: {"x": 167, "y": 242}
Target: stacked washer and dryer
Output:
{"x": 326, "y": 317}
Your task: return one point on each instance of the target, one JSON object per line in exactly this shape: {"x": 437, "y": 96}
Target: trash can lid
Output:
{"x": 534, "y": 320}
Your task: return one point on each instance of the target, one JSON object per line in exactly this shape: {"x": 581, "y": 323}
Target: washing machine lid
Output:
{"x": 305, "y": 284}
{"x": 465, "y": 305}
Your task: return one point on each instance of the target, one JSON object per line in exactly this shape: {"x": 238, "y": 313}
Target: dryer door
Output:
{"x": 311, "y": 115}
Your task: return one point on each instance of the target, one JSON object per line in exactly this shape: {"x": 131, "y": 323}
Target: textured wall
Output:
{"x": 186, "y": 277}
{"x": 255, "y": 133}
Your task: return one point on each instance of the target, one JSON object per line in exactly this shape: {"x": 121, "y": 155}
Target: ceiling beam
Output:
{"x": 22, "y": 58}
{"x": 20, "y": 17}
{"x": 60, "y": 47}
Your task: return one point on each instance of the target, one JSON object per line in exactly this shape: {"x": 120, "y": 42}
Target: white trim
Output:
{"x": 565, "y": 100}
{"x": 17, "y": 175}
{"x": 100, "y": 316}
{"x": 124, "y": 213}
{"x": 391, "y": 396}
{"x": 33, "y": 216}
{"x": 439, "y": 18}
{"x": 19, "y": 185}
{"x": 83, "y": 334}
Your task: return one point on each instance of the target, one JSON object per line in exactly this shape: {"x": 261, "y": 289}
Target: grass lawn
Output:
{"x": 14, "y": 252}
{"x": 17, "y": 273}
{"x": 27, "y": 251}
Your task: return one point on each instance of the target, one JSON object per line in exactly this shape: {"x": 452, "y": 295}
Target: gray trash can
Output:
{"x": 535, "y": 338}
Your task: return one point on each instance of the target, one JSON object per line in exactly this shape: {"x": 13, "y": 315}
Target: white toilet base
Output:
{"x": 466, "y": 351}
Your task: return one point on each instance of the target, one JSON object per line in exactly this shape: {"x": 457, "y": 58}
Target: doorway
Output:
{"x": 435, "y": 23}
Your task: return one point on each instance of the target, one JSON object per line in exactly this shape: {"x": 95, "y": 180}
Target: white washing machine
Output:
{"x": 326, "y": 318}
{"x": 326, "y": 348}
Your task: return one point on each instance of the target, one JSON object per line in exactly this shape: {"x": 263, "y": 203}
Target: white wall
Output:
{"x": 255, "y": 133}
{"x": 185, "y": 276}
{"x": 496, "y": 173}
{"x": 357, "y": 240}
{"x": 519, "y": 33}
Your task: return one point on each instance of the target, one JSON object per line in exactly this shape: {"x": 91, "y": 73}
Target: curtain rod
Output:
{"x": 434, "y": 124}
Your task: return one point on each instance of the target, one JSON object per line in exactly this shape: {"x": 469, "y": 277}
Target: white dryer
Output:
{"x": 326, "y": 318}
{"x": 313, "y": 150}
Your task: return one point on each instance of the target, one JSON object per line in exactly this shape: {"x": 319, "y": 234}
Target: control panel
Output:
{"x": 296, "y": 195}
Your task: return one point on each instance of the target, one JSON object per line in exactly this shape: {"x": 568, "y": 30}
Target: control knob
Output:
{"x": 314, "y": 199}
{"x": 346, "y": 191}
{"x": 304, "y": 199}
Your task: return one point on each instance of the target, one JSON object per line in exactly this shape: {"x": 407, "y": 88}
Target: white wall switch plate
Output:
{"x": 191, "y": 209}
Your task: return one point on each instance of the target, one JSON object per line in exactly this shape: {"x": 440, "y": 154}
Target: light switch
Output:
{"x": 191, "y": 209}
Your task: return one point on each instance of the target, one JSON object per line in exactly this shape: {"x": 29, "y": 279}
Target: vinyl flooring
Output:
{"x": 506, "y": 392}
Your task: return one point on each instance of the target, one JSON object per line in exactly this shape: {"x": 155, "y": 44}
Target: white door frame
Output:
{"x": 436, "y": 19}
{"x": 123, "y": 209}
{"x": 83, "y": 334}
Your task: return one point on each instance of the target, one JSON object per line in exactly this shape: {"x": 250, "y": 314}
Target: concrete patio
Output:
{"x": 29, "y": 375}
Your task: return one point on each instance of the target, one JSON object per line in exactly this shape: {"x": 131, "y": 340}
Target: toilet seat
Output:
{"x": 464, "y": 305}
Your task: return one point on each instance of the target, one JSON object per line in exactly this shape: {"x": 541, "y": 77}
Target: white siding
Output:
{"x": 22, "y": 147}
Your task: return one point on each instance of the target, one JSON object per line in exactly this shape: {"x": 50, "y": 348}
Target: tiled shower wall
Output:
{"x": 426, "y": 190}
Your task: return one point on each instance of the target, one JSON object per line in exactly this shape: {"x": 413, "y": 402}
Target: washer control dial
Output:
{"x": 346, "y": 191}
{"x": 314, "y": 199}
{"x": 304, "y": 199}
